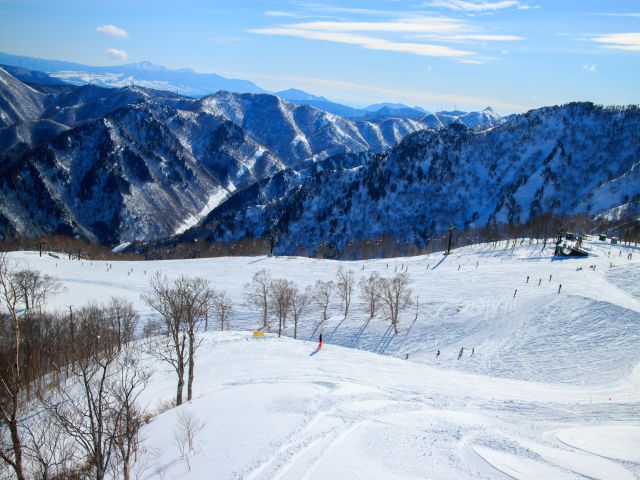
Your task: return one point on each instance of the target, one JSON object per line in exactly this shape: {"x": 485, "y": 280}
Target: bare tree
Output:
{"x": 11, "y": 372}
{"x": 99, "y": 404}
{"x": 344, "y": 287}
{"x": 168, "y": 303}
{"x": 395, "y": 296}
{"x": 369, "y": 292}
{"x": 322, "y": 296}
{"x": 126, "y": 390}
{"x": 182, "y": 305}
{"x": 280, "y": 293}
{"x": 222, "y": 308}
{"x": 184, "y": 434}
{"x": 123, "y": 319}
{"x": 50, "y": 452}
{"x": 34, "y": 288}
{"x": 299, "y": 303}
{"x": 257, "y": 294}
{"x": 198, "y": 297}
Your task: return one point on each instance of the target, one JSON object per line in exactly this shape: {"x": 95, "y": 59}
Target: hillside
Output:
{"x": 550, "y": 391}
{"x": 566, "y": 160}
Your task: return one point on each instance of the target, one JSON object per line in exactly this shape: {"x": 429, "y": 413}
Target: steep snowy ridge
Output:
{"x": 18, "y": 102}
{"x": 577, "y": 158}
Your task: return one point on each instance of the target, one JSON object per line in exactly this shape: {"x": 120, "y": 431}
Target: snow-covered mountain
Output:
{"x": 297, "y": 132}
{"x": 116, "y": 165}
{"x": 481, "y": 120}
{"x": 144, "y": 74}
{"x": 576, "y": 158}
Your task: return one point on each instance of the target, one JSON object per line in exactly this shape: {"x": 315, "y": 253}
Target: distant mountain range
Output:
{"x": 189, "y": 83}
{"x": 144, "y": 74}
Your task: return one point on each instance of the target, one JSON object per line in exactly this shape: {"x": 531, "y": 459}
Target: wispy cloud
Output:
{"x": 414, "y": 25}
{"x": 626, "y": 14}
{"x": 590, "y": 67}
{"x": 116, "y": 54}
{"x": 371, "y": 43}
{"x": 620, "y": 41}
{"x": 112, "y": 31}
{"x": 472, "y": 37}
{"x": 477, "y": 6}
{"x": 396, "y": 35}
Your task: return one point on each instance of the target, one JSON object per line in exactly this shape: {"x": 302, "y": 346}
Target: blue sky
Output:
{"x": 438, "y": 54}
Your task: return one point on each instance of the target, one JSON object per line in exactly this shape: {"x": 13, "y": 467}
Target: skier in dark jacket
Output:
{"x": 320, "y": 342}
{"x": 460, "y": 354}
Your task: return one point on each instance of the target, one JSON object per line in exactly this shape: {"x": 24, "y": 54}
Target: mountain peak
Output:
{"x": 293, "y": 94}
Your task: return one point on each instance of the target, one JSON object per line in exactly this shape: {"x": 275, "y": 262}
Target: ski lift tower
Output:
{"x": 451, "y": 229}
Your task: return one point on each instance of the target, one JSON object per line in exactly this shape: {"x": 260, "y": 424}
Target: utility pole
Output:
{"x": 71, "y": 320}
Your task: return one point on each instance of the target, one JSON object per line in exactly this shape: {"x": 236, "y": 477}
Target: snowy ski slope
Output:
{"x": 552, "y": 391}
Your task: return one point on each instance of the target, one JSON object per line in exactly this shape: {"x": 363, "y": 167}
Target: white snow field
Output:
{"x": 551, "y": 392}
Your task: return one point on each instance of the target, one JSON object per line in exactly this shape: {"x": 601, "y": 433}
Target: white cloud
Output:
{"x": 417, "y": 25}
{"x": 116, "y": 54}
{"x": 478, "y": 5}
{"x": 589, "y": 67}
{"x": 396, "y": 35}
{"x": 620, "y": 41}
{"x": 112, "y": 31}
{"x": 371, "y": 43}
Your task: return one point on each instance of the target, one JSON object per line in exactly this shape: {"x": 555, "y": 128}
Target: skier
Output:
{"x": 559, "y": 288}
{"x": 438, "y": 353}
{"x": 515, "y": 292}
{"x": 549, "y": 277}
{"x": 320, "y": 342}
{"x": 539, "y": 281}
{"x": 460, "y": 354}
{"x": 527, "y": 279}
{"x": 473, "y": 350}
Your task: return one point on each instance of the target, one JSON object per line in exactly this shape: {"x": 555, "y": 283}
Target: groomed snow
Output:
{"x": 552, "y": 391}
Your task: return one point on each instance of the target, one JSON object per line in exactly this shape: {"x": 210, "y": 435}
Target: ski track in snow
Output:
{"x": 552, "y": 391}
